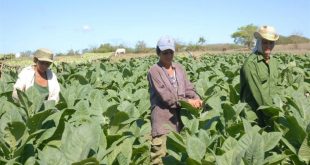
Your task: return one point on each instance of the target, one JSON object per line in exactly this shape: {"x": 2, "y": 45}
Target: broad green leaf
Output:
{"x": 23, "y": 100}
{"x": 86, "y": 135}
{"x": 125, "y": 154}
{"x": 304, "y": 150}
{"x": 36, "y": 100}
{"x": 77, "y": 77}
{"x": 229, "y": 144}
{"x": 88, "y": 161}
{"x": 52, "y": 156}
{"x": 275, "y": 159}
{"x": 233, "y": 95}
{"x": 35, "y": 122}
{"x": 186, "y": 106}
{"x": 195, "y": 148}
{"x": 295, "y": 134}
{"x": 225, "y": 159}
{"x": 271, "y": 139}
{"x": 270, "y": 110}
{"x": 13, "y": 135}
{"x": 252, "y": 143}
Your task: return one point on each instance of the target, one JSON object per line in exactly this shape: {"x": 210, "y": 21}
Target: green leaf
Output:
{"x": 225, "y": 159}
{"x": 88, "y": 161}
{"x": 270, "y": 110}
{"x": 252, "y": 143}
{"x": 195, "y": 148}
{"x": 23, "y": 100}
{"x": 304, "y": 150}
{"x": 14, "y": 132}
{"x": 271, "y": 139}
{"x": 296, "y": 134}
{"x": 275, "y": 159}
{"x": 229, "y": 144}
{"x": 17, "y": 129}
{"x": 35, "y": 122}
{"x": 36, "y": 100}
{"x": 125, "y": 152}
{"x": 77, "y": 77}
{"x": 51, "y": 156}
{"x": 229, "y": 113}
{"x": 86, "y": 136}
{"x": 233, "y": 95}
{"x": 188, "y": 107}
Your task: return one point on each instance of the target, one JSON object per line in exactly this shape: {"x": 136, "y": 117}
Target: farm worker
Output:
{"x": 39, "y": 76}
{"x": 168, "y": 84}
{"x": 259, "y": 73}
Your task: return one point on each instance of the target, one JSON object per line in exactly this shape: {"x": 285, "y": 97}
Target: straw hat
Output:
{"x": 267, "y": 32}
{"x": 43, "y": 54}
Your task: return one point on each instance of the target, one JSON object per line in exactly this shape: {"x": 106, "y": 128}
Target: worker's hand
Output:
{"x": 197, "y": 103}
{"x": 307, "y": 94}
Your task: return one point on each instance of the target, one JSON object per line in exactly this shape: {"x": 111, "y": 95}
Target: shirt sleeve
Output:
{"x": 260, "y": 95}
{"x": 158, "y": 88}
{"x": 54, "y": 93}
{"x": 19, "y": 84}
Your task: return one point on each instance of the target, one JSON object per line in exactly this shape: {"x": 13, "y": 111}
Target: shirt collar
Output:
{"x": 259, "y": 57}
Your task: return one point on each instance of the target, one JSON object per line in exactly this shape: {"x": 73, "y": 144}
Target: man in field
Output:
{"x": 168, "y": 84}
{"x": 259, "y": 73}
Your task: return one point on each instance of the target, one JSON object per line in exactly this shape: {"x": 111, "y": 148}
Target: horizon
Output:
{"x": 62, "y": 26}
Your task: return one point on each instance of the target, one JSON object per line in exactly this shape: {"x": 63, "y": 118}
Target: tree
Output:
{"x": 245, "y": 35}
{"x": 71, "y": 52}
{"x": 201, "y": 40}
{"x": 27, "y": 53}
{"x": 105, "y": 48}
{"x": 141, "y": 47}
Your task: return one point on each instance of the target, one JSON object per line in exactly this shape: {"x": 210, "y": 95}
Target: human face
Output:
{"x": 267, "y": 46}
{"x": 42, "y": 66}
{"x": 166, "y": 56}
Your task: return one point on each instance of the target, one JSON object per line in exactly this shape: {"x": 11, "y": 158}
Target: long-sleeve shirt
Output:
{"x": 164, "y": 97}
{"x": 26, "y": 80}
{"x": 258, "y": 81}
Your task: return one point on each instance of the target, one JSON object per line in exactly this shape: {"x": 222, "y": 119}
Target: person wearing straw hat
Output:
{"x": 168, "y": 84}
{"x": 39, "y": 76}
{"x": 259, "y": 73}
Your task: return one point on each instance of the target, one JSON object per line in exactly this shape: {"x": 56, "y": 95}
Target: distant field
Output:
{"x": 214, "y": 50}
{"x": 83, "y": 58}
{"x": 87, "y": 57}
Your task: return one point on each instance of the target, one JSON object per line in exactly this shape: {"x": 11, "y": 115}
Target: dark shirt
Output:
{"x": 164, "y": 97}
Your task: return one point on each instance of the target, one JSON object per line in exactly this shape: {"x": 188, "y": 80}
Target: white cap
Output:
{"x": 166, "y": 42}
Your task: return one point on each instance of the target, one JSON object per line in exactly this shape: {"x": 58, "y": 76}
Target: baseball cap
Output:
{"x": 166, "y": 42}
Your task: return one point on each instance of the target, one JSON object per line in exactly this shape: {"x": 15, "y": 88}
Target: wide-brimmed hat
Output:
{"x": 165, "y": 43}
{"x": 267, "y": 32}
{"x": 43, "y": 54}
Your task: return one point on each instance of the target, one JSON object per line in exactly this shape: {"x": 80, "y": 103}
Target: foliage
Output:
{"x": 201, "y": 41}
{"x": 103, "y": 116}
{"x": 292, "y": 39}
{"x": 244, "y": 35}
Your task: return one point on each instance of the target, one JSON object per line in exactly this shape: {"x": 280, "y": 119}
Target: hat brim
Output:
{"x": 268, "y": 37}
{"x": 45, "y": 59}
{"x": 163, "y": 48}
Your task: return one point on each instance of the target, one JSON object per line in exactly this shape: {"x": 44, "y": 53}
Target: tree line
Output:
{"x": 243, "y": 37}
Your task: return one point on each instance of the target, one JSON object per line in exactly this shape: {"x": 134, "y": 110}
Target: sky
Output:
{"x": 79, "y": 24}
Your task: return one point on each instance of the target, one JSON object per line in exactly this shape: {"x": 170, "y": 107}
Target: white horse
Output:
{"x": 120, "y": 51}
